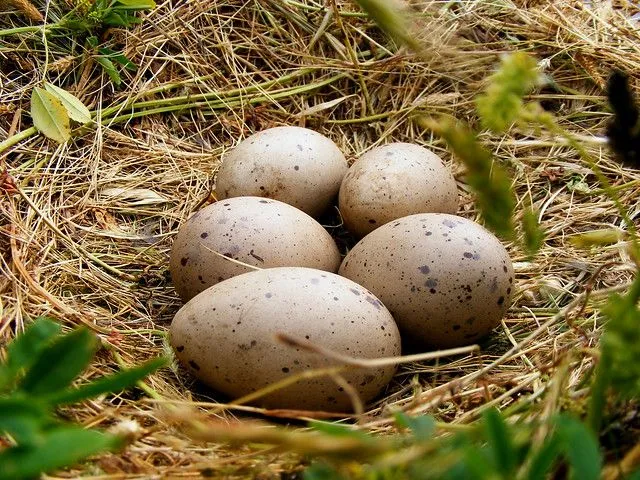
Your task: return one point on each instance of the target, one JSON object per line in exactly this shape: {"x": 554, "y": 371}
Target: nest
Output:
{"x": 86, "y": 235}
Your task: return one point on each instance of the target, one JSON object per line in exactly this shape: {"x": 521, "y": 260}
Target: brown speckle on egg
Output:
{"x": 475, "y": 285}
{"x": 254, "y": 231}
{"x": 393, "y": 181}
{"x": 264, "y": 303}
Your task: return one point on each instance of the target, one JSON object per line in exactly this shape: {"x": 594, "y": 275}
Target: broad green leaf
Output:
{"x": 544, "y": 459}
{"x": 488, "y": 179}
{"x": 60, "y": 362}
{"x": 580, "y": 447}
{"x": 60, "y": 447}
{"x": 422, "y": 427}
{"x": 23, "y": 350}
{"x": 112, "y": 383}
{"x": 499, "y": 439}
{"x": 24, "y": 419}
{"x": 110, "y": 68}
{"x": 135, "y": 4}
{"x": 49, "y": 115}
{"x": 124, "y": 20}
{"x": 75, "y": 108}
{"x": 119, "y": 58}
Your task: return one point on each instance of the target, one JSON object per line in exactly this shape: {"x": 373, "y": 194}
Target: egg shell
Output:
{"x": 393, "y": 181}
{"x": 255, "y": 231}
{"x": 226, "y": 336}
{"x": 446, "y": 280}
{"x": 295, "y": 165}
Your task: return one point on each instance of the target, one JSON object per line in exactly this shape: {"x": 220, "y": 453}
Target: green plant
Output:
{"x": 35, "y": 379}
{"x": 86, "y": 24}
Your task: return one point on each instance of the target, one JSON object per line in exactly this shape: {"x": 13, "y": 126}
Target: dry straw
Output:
{"x": 211, "y": 73}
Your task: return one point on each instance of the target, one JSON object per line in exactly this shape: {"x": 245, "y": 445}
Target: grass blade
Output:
{"x": 112, "y": 383}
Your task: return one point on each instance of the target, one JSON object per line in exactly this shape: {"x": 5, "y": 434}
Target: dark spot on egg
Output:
{"x": 296, "y": 168}
{"x": 354, "y": 291}
{"x": 204, "y": 235}
{"x": 500, "y": 300}
{"x": 285, "y": 370}
{"x": 456, "y": 327}
{"x": 184, "y": 261}
{"x": 424, "y": 269}
{"x": 180, "y": 348}
{"x": 268, "y": 295}
{"x": 431, "y": 283}
{"x": 194, "y": 365}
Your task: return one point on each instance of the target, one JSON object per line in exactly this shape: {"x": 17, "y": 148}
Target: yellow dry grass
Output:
{"x": 85, "y": 234}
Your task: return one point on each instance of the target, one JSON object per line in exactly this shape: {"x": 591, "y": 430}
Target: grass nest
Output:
{"x": 86, "y": 226}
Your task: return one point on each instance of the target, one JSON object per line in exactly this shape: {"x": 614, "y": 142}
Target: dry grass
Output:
{"x": 86, "y": 237}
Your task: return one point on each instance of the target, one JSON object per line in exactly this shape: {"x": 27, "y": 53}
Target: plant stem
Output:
{"x": 17, "y": 138}
{"x": 30, "y": 29}
{"x": 211, "y": 101}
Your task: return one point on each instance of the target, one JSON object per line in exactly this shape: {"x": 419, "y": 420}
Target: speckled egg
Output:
{"x": 446, "y": 280}
{"x": 228, "y": 237}
{"x": 226, "y": 336}
{"x": 393, "y": 181}
{"x": 295, "y": 165}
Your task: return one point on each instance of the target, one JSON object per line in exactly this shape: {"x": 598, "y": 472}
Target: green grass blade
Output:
{"x": 112, "y": 383}
{"x": 580, "y": 447}
{"x": 499, "y": 439}
{"x": 543, "y": 459}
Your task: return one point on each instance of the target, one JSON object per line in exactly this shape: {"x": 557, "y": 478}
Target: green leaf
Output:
{"x": 422, "y": 427}
{"x": 597, "y": 238}
{"x": 49, "y": 115}
{"x": 75, "y": 108}
{"x": 124, "y": 20}
{"x": 112, "y": 383}
{"x": 620, "y": 343}
{"x": 110, "y": 68}
{"x": 61, "y": 447}
{"x": 499, "y": 438}
{"x": 59, "y": 363}
{"x": 501, "y": 104}
{"x": 321, "y": 471}
{"x": 24, "y": 419}
{"x": 135, "y": 4}
{"x": 581, "y": 448}
{"x": 544, "y": 458}
{"x": 488, "y": 179}
{"x": 119, "y": 58}
{"x": 23, "y": 350}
